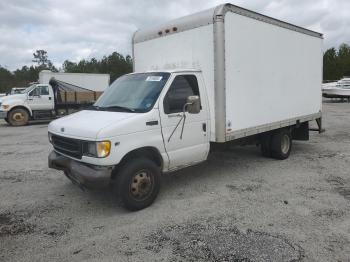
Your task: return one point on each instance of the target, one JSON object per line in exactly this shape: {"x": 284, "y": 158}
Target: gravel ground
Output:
{"x": 238, "y": 206}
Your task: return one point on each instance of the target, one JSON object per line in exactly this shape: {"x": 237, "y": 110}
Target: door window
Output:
{"x": 44, "y": 90}
{"x": 182, "y": 87}
{"x": 35, "y": 92}
{"x": 40, "y": 91}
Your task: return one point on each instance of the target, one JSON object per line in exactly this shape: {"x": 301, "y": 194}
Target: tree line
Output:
{"x": 114, "y": 64}
{"x": 336, "y": 64}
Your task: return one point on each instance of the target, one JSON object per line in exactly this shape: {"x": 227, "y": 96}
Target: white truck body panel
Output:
{"x": 94, "y": 82}
{"x": 272, "y": 74}
{"x": 260, "y": 73}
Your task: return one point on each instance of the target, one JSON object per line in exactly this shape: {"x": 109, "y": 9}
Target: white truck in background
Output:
{"x": 47, "y": 100}
{"x": 224, "y": 75}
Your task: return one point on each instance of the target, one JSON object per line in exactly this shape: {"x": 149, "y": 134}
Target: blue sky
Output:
{"x": 83, "y": 29}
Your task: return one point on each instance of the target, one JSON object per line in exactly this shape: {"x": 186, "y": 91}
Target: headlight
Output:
{"x": 97, "y": 149}
{"x": 50, "y": 137}
{"x": 103, "y": 148}
{"x": 5, "y": 106}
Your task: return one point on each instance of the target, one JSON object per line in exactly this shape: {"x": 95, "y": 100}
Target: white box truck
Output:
{"x": 225, "y": 75}
{"x": 55, "y": 95}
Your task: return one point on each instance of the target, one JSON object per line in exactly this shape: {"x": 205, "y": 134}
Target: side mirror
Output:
{"x": 193, "y": 105}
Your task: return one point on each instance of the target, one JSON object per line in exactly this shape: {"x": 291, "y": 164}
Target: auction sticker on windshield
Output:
{"x": 154, "y": 78}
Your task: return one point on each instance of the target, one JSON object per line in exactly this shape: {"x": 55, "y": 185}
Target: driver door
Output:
{"x": 186, "y": 140}
{"x": 40, "y": 98}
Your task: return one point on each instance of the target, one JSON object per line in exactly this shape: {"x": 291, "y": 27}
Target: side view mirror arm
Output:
{"x": 183, "y": 117}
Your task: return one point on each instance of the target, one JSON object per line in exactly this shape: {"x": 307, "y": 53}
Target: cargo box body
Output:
{"x": 260, "y": 73}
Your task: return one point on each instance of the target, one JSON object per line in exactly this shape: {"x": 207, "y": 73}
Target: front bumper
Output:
{"x": 83, "y": 175}
{"x": 3, "y": 114}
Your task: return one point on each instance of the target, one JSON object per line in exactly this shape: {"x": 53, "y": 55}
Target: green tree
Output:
{"x": 115, "y": 65}
{"x": 42, "y": 60}
{"x": 330, "y": 65}
{"x": 6, "y": 79}
{"x": 336, "y": 63}
{"x": 344, "y": 59}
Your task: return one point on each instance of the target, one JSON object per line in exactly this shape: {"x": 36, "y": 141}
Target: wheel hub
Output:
{"x": 285, "y": 144}
{"x": 141, "y": 185}
{"x": 18, "y": 117}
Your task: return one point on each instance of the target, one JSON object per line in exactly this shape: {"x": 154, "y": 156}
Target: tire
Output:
{"x": 138, "y": 184}
{"x": 7, "y": 121}
{"x": 265, "y": 145}
{"x": 18, "y": 117}
{"x": 281, "y": 144}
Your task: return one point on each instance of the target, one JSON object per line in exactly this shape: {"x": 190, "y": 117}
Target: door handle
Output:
{"x": 49, "y": 97}
{"x": 152, "y": 123}
{"x": 204, "y": 127}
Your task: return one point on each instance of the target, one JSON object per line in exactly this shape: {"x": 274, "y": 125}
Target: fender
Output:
{"x": 123, "y": 145}
{"x": 21, "y": 106}
{"x": 151, "y": 145}
{"x": 17, "y": 102}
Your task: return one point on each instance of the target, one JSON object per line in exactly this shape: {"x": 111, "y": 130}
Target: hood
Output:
{"x": 13, "y": 97}
{"x": 88, "y": 123}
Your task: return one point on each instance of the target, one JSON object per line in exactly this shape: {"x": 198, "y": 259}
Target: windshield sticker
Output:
{"x": 154, "y": 78}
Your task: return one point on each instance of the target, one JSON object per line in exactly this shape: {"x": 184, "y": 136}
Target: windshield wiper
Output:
{"x": 107, "y": 108}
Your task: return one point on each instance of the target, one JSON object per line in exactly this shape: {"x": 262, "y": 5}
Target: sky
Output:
{"x": 83, "y": 29}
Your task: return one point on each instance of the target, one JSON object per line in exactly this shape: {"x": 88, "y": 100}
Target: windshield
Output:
{"x": 132, "y": 93}
{"x": 28, "y": 89}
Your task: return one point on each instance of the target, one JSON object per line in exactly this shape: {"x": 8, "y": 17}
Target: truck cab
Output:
{"x": 144, "y": 124}
{"x": 17, "y": 109}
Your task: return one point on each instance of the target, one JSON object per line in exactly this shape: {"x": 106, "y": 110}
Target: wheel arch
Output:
{"x": 149, "y": 152}
{"x": 21, "y": 107}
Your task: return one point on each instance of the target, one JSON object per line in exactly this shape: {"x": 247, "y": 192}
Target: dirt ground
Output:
{"x": 238, "y": 206}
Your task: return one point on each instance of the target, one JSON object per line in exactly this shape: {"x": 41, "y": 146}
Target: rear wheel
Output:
{"x": 18, "y": 117}
{"x": 265, "y": 145}
{"x": 7, "y": 121}
{"x": 138, "y": 183}
{"x": 281, "y": 144}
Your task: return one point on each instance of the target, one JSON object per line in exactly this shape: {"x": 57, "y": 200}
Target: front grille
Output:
{"x": 68, "y": 146}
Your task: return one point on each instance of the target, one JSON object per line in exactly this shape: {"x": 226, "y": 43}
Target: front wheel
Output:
{"x": 138, "y": 183}
{"x": 18, "y": 117}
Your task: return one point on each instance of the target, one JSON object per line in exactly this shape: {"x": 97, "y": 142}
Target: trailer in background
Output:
{"x": 70, "y": 98}
{"x": 93, "y": 82}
